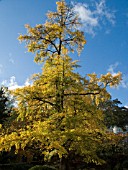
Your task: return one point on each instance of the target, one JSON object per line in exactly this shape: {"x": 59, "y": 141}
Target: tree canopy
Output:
{"x": 59, "y": 113}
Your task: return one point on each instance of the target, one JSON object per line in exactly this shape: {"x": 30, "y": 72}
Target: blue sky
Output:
{"x": 105, "y": 24}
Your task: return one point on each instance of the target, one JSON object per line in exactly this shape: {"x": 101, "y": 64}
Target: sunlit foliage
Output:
{"x": 59, "y": 114}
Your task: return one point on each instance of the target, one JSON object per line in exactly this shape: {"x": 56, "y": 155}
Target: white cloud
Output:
{"x": 27, "y": 82}
{"x": 124, "y": 82}
{"x": 103, "y": 11}
{"x": 12, "y": 83}
{"x": 94, "y": 16}
{"x": 85, "y": 15}
{"x": 113, "y": 70}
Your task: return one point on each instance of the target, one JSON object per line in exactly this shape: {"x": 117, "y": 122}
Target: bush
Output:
{"x": 125, "y": 164}
{"x": 15, "y": 167}
{"x": 21, "y": 167}
{"x": 44, "y": 167}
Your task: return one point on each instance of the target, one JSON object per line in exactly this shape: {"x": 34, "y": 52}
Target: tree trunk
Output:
{"x": 64, "y": 164}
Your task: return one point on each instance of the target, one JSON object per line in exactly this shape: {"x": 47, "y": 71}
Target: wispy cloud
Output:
{"x": 113, "y": 69}
{"x": 11, "y": 60}
{"x": 124, "y": 81}
{"x": 1, "y": 68}
{"x": 94, "y": 15}
{"x": 12, "y": 83}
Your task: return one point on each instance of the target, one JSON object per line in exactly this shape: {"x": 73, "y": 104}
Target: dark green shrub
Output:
{"x": 15, "y": 167}
{"x": 44, "y": 167}
{"x": 125, "y": 164}
{"x": 21, "y": 167}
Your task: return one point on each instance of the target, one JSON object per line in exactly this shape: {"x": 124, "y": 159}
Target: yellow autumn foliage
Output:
{"x": 59, "y": 112}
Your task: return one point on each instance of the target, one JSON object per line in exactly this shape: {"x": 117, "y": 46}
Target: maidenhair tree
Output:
{"x": 58, "y": 114}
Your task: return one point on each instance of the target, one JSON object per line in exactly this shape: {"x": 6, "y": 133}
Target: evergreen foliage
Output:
{"x": 44, "y": 167}
{"x": 6, "y": 104}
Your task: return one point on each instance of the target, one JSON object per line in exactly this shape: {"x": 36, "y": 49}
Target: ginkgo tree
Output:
{"x": 58, "y": 114}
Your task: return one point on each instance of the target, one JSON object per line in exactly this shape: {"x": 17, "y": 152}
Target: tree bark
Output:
{"x": 64, "y": 164}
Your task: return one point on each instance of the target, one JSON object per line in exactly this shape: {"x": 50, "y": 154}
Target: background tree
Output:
{"x": 6, "y": 104}
{"x": 6, "y": 107}
{"x": 115, "y": 114}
